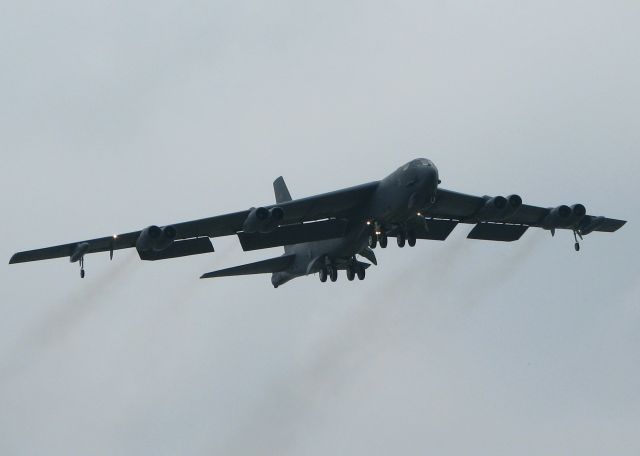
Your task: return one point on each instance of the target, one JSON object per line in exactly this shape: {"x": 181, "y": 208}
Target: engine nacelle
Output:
{"x": 559, "y": 217}
{"x": 499, "y": 208}
{"x": 578, "y": 211}
{"x": 156, "y": 238}
{"x": 263, "y": 220}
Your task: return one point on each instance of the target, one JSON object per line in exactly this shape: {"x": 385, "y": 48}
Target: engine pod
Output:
{"x": 263, "y": 220}
{"x": 155, "y": 238}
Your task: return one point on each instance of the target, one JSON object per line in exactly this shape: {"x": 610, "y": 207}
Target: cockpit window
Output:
{"x": 422, "y": 162}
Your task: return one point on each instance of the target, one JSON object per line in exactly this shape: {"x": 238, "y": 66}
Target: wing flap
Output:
{"x": 178, "y": 249}
{"x": 293, "y": 234}
{"x": 497, "y": 232}
{"x": 259, "y": 267}
{"x": 436, "y": 230}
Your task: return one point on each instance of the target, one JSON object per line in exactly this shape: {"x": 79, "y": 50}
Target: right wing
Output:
{"x": 333, "y": 205}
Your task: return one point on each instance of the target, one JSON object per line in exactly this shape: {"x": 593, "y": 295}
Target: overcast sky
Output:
{"x": 117, "y": 115}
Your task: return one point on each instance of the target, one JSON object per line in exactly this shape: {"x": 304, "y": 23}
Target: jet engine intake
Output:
{"x": 263, "y": 220}
{"x": 559, "y": 217}
{"x": 499, "y": 208}
{"x": 156, "y": 238}
{"x": 578, "y": 211}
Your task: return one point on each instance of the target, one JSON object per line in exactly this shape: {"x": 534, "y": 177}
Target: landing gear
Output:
{"x": 373, "y": 240}
{"x": 411, "y": 238}
{"x": 333, "y": 274}
{"x": 382, "y": 240}
{"x": 351, "y": 273}
{"x": 575, "y": 237}
{"x": 400, "y": 237}
{"x": 81, "y": 261}
{"x": 361, "y": 273}
{"x": 323, "y": 275}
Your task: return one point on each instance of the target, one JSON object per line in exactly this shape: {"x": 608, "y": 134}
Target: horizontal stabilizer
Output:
{"x": 293, "y": 234}
{"x": 260, "y": 267}
{"x": 178, "y": 249}
{"x": 497, "y": 232}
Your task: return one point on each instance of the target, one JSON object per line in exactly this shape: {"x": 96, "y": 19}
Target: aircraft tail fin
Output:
{"x": 259, "y": 267}
{"x": 281, "y": 190}
{"x": 282, "y": 196}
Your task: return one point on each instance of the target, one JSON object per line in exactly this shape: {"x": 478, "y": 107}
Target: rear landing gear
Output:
{"x": 411, "y": 238}
{"x": 400, "y": 237}
{"x": 353, "y": 270}
{"x": 577, "y": 244}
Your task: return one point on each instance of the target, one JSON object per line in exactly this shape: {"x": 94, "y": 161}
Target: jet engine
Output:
{"x": 263, "y": 220}
{"x": 156, "y": 238}
{"x": 564, "y": 216}
{"x": 499, "y": 208}
{"x": 578, "y": 211}
{"x": 558, "y": 217}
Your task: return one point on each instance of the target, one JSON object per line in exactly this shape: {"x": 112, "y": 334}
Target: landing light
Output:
{"x": 368, "y": 222}
{"x": 419, "y": 214}
{"x": 115, "y": 236}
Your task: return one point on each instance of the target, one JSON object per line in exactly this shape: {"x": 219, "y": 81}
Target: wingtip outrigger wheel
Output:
{"x": 577, "y": 244}
{"x": 81, "y": 261}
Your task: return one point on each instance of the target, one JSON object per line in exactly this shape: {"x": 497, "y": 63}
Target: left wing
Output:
{"x": 506, "y": 218}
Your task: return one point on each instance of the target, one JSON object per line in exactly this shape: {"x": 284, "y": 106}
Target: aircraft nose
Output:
{"x": 429, "y": 175}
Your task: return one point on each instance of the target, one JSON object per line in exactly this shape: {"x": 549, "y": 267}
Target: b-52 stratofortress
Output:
{"x": 334, "y": 231}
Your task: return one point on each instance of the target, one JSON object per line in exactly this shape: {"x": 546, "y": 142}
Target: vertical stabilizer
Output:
{"x": 281, "y": 190}
{"x": 282, "y": 196}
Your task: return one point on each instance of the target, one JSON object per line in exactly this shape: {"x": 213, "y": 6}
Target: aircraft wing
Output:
{"x": 191, "y": 237}
{"x": 510, "y": 225}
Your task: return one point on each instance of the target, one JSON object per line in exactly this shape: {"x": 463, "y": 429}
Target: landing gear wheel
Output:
{"x": 82, "y": 273}
{"x": 333, "y": 274}
{"x": 411, "y": 238}
{"x": 361, "y": 273}
{"x": 382, "y": 240}
{"x": 373, "y": 240}
{"x": 576, "y": 246}
{"x": 351, "y": 273}
{"x": 401, "y": 239}
{"x": 323, "y": 275}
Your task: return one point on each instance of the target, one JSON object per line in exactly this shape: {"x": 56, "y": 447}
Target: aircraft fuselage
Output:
{"x": 397, "y": 200}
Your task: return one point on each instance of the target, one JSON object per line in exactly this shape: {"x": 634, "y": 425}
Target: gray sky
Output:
{"x": 116, "y": 115}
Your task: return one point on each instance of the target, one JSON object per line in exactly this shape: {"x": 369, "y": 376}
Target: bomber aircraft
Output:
{"x": 334, "y": 231}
